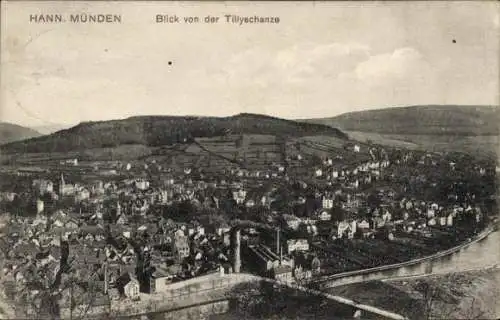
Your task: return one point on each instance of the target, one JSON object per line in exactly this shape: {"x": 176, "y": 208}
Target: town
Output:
{"x": 121, "y": 230}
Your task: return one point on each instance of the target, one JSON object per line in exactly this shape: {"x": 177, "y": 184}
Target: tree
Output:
{"x": 429, "y": 294}
{"x": 440, "y": 303}
{"x": 338, "y": 214}
{"x": 374, "y": 200}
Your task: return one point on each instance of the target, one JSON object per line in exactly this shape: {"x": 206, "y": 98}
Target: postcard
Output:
{"x": 249, "y": 160}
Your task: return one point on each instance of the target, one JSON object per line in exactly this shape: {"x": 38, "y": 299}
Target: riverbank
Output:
{"x": 463, "y": 295}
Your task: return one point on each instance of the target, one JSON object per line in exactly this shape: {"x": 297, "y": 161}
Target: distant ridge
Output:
{"x": 12, "y": 132}
{"x": 165, "y": 130}
{"x": 427, "y": 119}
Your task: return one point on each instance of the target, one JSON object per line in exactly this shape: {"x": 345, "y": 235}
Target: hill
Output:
{"x": 12, "y": 132}
{"x": 48, "y": 129}
{"x": 154, "y": 131}
{"x": 420, "y": 120}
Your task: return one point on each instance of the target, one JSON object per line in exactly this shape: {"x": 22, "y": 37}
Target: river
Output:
{"x": 481, "y": 254}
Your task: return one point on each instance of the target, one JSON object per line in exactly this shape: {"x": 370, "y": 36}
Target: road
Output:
{"x": 495, "y": 266}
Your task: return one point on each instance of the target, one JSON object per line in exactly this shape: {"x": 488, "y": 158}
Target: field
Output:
{"x": 252, "y": 151}
{"x": 382, "y": 139}
{"x": 213, "y": 154}
{"x": 124, "y": 152}
{"x": 484, "y": 146}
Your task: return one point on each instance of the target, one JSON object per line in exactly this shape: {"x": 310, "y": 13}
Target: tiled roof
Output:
{"x": 282, "y": 269}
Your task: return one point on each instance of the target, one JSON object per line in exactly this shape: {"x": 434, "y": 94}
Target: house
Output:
{"x": 442, "y": 221}
{"x": 163, "y": 276}
{"x": 363, "y": 224}
{"x": 363, "y": 229}
{"x": 408, "y": 205}
{"x": 266, "y": 201}
{"x": 292, "y": 221}
{"x": 181, "y": 245}
{"x": 283, "y": 273}
{"x": 386, "y": 216}
{"x": 97, "y": 187}
{"x": 421, "y": 223}
{"x": 141, "y": 184}
{"x": 239, "y": 196}
{"x": 82, "y": 195}
{"x": 406, "y": 215}
{"x": 324, "y": 215}
{"x": 66, "y": 189}
{"x": 250, "y": 203}
{"x": 196, "y": 230}
{"x": 43, "y": 186}
{"x": 308, "y": 265}
{"x": 39, "y": 206}
{"x": 355, "y": 184}
{"x": 73, "y": 162}
{"x": 128, "y": 286}
{"x": 58, "y": 222}
{"x": 335, "y": 174}
{"x": 345, "y": 229}
{"x": 431, "y": 213}
{"x": 71, "y": 224}
{"x": 300, "y": 200}
{"x": 408, "y": 226}
{"x": 431, "y": 222}
{"x": 378, "y": 222}
{"x": 364, "y": 232}
{"x": 318, "y": 172}
{"x": 449, "y": 220}
{"x": 327, "y": 202}
{"x": 122, "y": 220}
{"x": 310, "y": 229}
{"x": 297, "y": 245}
{"x": 301, "y": 273}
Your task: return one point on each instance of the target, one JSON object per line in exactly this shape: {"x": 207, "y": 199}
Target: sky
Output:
{"x": 321, "y": 60}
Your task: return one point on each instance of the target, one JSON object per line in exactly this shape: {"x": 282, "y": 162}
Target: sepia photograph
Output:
{"x": 274, "y": 160}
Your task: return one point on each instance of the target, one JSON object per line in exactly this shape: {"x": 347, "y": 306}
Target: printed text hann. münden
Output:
{"x": 76, "y": 18}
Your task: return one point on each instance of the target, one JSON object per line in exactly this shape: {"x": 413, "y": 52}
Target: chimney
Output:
{"x": 278, "y": 241}
{"x": 236, "y": 251}
{"x": 106, "y": 278}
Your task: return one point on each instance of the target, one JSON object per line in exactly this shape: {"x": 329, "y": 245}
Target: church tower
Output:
{"x": 62, "y": 185}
